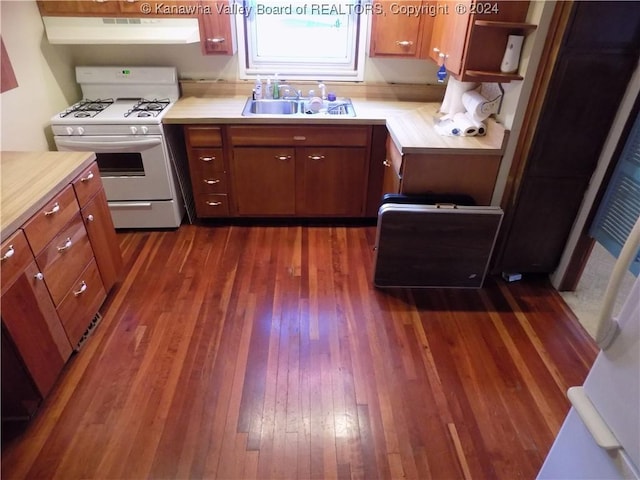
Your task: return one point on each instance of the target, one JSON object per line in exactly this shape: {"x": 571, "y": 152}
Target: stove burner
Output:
{"x": 87, "y": 108}
{"x": 148, "y": 108}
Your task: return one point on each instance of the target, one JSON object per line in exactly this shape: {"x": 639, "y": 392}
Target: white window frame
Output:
{"x": 350, "y": 70}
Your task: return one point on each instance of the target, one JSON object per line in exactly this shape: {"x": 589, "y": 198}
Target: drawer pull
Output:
{"x": 216, "y": 40}
{"x": 214, "y": 204}
{"x": 9, "y": 253}
{"x": 404, "y": 43}
{"x": 211, "y": 181}
{"x": 90, "y": 218}
{"x": 87, "y": 178}
{"x": 83, "y": 287}
{"x": 207, "y": 159}
{"x": 300, "y": 138}
{"x": 39, "y": 276}
{"x": 386, "y": 163}
{"x": 66, "y": 246}
{"x": 55, "y": 209}
{"x": 283, "y": 157}
{"x": 316, "y": 157}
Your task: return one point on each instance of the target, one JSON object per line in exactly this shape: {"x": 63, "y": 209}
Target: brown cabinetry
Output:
{"x": 417, "y": 173}
{"x": 52, "y": 286}
{"x": 208, "y": 170}
{"x": 401, "y": 29}
{"x": 217, "y": 28}
{"x": 471, "y": 37}
{"x": 299, "y": 170}
{"x": 114, "y": 8}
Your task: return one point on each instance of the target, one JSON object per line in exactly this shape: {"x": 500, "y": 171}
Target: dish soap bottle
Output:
{"x": 268, "y": 92}
{"x": 257, "y": 89}
{"x": 276, "y": 87}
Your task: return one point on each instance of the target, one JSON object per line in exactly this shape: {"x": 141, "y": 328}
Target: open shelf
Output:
{"x": 486, "y": 76}
{"x": 521, "y": 26}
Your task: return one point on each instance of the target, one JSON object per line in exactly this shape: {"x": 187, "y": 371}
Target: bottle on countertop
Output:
{"x": 257, "y": 89}
{"x": 276, "y": 87}
{"x": 268, "y": 89}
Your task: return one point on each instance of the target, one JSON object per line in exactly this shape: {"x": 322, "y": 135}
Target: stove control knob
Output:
{"x": 134, "y": 130}
{"x": 145, "y": 130}
{"x": 80, "y": 131}
{"x": 69, "y": 130}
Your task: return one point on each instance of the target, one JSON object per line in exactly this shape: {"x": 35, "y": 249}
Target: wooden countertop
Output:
{"x": 31, "y": 179}
{"x": 410, "y": 124}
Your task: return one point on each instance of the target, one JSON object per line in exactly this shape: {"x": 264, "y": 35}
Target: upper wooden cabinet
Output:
{"x": 114, "y": 8}
{"x": 401, "y": 29}
{"x": 471, "y": 37}
{"x": 217, "y": 28}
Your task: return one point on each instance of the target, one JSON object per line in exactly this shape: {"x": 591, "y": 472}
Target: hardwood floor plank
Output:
{"x": 265, "y": 352}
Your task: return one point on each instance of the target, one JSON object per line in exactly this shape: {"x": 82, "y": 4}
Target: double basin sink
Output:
{"x": 298, "y": 106}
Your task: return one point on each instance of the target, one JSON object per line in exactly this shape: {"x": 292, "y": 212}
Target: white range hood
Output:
{"x": 97, "y": 30}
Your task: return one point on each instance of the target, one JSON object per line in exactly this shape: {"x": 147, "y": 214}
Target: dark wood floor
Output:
{"x": 265, "y": 352}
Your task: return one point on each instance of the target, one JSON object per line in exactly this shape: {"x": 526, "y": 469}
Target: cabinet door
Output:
{"x": 31, "y": 321}
{"x": 391, "y": 182}
{"x": 217, "y": 32}
{"x": 450, "y": 34}
{"x": 20, "y": 399}
{"x": 394, "y": 31}
{"x": 331, "y": 181}
{"x": 264, "y": 180}
{"x": 103, "y": 239}
{"x": 78, "y": 7}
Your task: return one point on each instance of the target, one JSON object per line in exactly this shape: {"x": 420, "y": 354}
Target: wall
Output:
{"x": 45, "y": 76}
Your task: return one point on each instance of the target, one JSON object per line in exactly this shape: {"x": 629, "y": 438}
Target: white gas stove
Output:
{"x": 120, "y": 119}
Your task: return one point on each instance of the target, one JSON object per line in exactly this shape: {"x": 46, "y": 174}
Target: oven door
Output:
{"x": 131, "y": 167}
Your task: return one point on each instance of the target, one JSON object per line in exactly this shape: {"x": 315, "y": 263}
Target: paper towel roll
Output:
{"x": 466, "y": 126}
{"x": 480, "y": 126}
{"x": 478, "y": 107}
{"x": 452, "y": 101}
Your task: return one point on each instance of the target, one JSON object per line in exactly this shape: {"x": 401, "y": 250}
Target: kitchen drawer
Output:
{"x": 64, "y": 258}
{"x": 342, "y": 136}
{"x": 81, "y": 303}
{"x": 87, "y": 184}
{"x": 44, "y": 225}
{"x": 212, "y": 205}
{"x": 206, "y": 161}
{"x": 204, "y": 136}
{"x": 16, "y": 255}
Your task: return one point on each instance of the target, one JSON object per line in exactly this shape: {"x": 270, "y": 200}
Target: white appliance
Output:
{"x": 120, "y": 120}
{"x": 600, "y": 438}
{"x": 125, "y": 31}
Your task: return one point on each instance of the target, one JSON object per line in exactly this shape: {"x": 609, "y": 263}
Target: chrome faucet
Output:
{"x": 287, "y": 91}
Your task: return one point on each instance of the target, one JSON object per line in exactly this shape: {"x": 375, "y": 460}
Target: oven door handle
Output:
{"x": 126, "y": 146}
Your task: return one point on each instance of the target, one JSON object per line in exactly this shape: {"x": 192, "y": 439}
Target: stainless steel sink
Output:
{"x": 341, "y": 107}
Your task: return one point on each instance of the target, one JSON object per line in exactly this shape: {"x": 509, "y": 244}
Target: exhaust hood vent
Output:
{"x": 96, "y": 30}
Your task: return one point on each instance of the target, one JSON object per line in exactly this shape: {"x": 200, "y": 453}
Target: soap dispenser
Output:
{"x": 257, "y": 89}
{"x": 276, "y": 87}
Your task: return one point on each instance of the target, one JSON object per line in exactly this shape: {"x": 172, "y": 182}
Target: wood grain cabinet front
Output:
{"x": 29, "y": 316}
{"x": 401, "y": 29}
{"x": 208, "y": 170}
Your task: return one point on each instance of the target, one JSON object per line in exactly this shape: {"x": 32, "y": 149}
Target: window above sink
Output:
{"x": 302, "y": 40}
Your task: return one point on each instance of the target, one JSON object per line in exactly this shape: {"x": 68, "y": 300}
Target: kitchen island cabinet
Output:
{"x": 52, "y": 271}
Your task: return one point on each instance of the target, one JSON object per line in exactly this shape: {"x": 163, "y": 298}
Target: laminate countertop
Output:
{"x": 31, "y": 179}
{"x": 410, "y": 124}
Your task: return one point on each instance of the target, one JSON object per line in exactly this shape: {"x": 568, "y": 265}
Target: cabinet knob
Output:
{"x": 55, "y": 209}
{"x": 90, "y": 218}
{"x": 214, "y": 204}
{"x": 87, "y": 178}
{"x": 440, "y": 54}
{"x": 67, "y": 245}
{"x": 216, "y": 40}
{"x": 207, "y": 159}
{"x": 9, "y": 253}
{"x": 83, "y": 288}
{"x": 316, "y": 157}
{"x": 211, "y": 181}
{"x": 386, "y": 163}
{"x": 39, "y": 276}
{"x": 404, "y": 43}
{"x": 283, "y": 157}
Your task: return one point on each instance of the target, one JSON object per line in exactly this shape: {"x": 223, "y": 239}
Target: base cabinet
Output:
{"x": 55, "y": 276}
